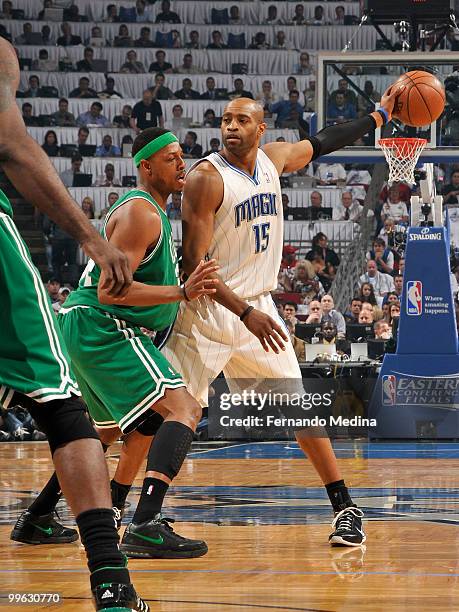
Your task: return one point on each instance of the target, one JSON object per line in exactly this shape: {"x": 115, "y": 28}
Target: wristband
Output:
{"x": 184, "y": 292}
{"x": 247, "y": 311}
{"x": 384, "y": 114}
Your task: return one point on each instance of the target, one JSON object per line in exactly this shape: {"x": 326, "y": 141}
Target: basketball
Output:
{"x": 422, "y": 101}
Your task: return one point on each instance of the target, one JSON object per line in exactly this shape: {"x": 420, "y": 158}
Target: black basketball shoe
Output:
{"x": 33, "y": 529}
{"x": 156, "y": 539}
{"x": 113, "y": 596}
{"x": 348, "y": 528}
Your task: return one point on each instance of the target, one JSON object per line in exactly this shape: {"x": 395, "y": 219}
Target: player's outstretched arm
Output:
{"x": 31, "y": 172}
{"x": 202, "y": 196}
{"x": 135, "y": 229}
{"x": 288, "y": 157}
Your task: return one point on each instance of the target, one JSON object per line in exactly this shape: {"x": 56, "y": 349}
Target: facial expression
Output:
{"x": 327, "y": 303}
{"x": 316, "y": 199}
{"x": 371, "y": 268}
{"x": 346, "y": 199}
{"x": 166, "y": 168}
{"x": 328, "y": 330}
{"x": 356, "y": 306}
{"x": 242, "y": 125}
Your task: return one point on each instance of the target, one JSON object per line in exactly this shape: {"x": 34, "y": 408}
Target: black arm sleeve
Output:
{"x": 337, "y": 136}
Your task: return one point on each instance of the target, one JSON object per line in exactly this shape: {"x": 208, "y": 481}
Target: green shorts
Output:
{"x": 33, "y": 357}
{"x": 120, "y": 372}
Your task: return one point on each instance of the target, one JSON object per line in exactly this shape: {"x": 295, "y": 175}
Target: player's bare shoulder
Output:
{"x": 203, "y": 187}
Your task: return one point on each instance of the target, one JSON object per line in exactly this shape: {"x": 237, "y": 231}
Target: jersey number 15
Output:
{"x": 261, "y": 232}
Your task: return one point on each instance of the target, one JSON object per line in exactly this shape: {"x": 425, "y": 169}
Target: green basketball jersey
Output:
{"x": 5, "y": 204}
{"x": 160, "y": 267}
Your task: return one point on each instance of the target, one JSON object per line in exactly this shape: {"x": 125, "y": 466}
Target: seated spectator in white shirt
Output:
{"x": 234, "y": 16}
{"x": 107, "y": 148}
{"x": 358, "y": 180}
{"x": 187, "y": 67}
{"x": 108, "y": 178}
{"x": 393, "y": 208}
{"x": 319, "y": 16}
{"x": 330, "y": 174}
{"x": 382, "y": 255}
{"x": 338, "y": 19}
{"x": 382, "y": 283}
{"x": 348, "y": 209}
{"x": 281, "y": 42}
{"x": 43, "y": 62}
{"x": 266, "y": 96}
{"x": 67, "y": 175}
{"x": 387, "y": 230}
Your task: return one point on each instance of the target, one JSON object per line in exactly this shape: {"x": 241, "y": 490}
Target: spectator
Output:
{"x": 53, "y": 286}
{"x": 7, "y": 10}
{"x": 234, "y": 16}
{"x": 111, "y": 14}
{"x": 160, "y": 91}
{"x": 259, "y": 42}
{"x": 329, "y": 313}
{"x": 217, "y": 41}
{"x": 304, "y": 66}
{"x": 123, "y": 120}
{"x": 174, "y": 207}
{"x": 381, "y": 283}
{"x": 365, "y": 107}
{"x": 146, "y": 113}
{"x": 177, "y": 116}
{"x": 87, "y": 206}
{"x": 352, "y": 316}
{"x": 187, "y": 67}
{"x": 160, "y": 65}
{"x": 450, "y": 192}
{"x": 315, "y": 199}
{"x": 108, "y": 178}
{"x": 144, "y": 40}
{"x": 107, "y": 148}
{"x": 141, "y": 13}
{"x": 324, "y": 272}
{"x": 72, "y": 13}
{"x": 29, "y": 119}
{"x": 291, "y": 84}
{"x": 166, "y": 15}
{"x": 193, "y": 43}
{"x": 358, "y": 178}
{"x": 382, "y": 255}
{"x": 339, "y": 110}
{"x": 190, "y": 147}
{"x": 63, "y": 252}
{"x": 50, "y": 145}
{"x": 394, "y": 313}
{"x": 382, "y": 330}
{"x": 83, "y": 90}
{"x": 187, "y": 93}
{"x": 123, "y": 39}
{"x": 75, "y": 168}
{"x": 24, "y": 38}
{"x": 304, "y": 279}
{"x": 299, "y": 17}
{"x": 266, "y": 96}
{"x": 393, "y": 208}
{"x": 330, "y": 174}
{"x": 289, "y": 112}
{"x": 86, "y": 64}
{"x": 82, "y": 137}
{"x": 46, "y": 36}
{"x": 348, "y": 209}
{"x": 109, "y": 91}
{"x": 96, "y": 39}
{"x": 366, "y": 317}
{"x": 403, "y": 188}
{"x": 211, "y": 93}
{"x": 398, "y": 285}
{"x": 367, "y": 295}
{"x": 93, "y": 116}
{"x": 43, "y": 63}
{"x": 271, "y": 18}
{"x": 34, "y": 90}
{"x": 281, "y": 42}
{"x": 320, "y": 247}
{"x": 239, "y": 91}
{"x": 319, "y": 17}
{"x": 68, "y": 39}
{"x": 349, "y": 95}
{"x": 328, "y": 332}
{"x": 289, "y": 312}
{"x": 210, "y": 120}
{"x": 315, "y": 312}
{"x": 297, "y": 343}
{"x": 62, "y": 117}
{"x": 111, "y": 200}
{"x": 214, "y": 147}
{"x": 310, "y": 97}
{"x": 132, "y": 65}
{"x": 338, "y": 19}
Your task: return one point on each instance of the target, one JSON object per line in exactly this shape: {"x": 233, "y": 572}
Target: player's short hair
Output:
{"x": 147, "y": 136}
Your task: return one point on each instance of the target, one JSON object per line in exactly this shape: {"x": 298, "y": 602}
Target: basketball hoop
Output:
{"x": 402, "y": 155}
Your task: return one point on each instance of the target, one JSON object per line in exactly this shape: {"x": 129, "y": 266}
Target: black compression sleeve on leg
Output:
{"x": 169, "y": 448}
{"x": 337, "y": 136}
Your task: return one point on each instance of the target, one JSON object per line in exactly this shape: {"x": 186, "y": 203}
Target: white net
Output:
{"x": 402, "y": 155}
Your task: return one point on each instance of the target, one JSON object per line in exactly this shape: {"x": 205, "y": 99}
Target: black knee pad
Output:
{"x": 63, "y": 420}
{"x": 150, "y": 426}
{"x": 169, "y": 449}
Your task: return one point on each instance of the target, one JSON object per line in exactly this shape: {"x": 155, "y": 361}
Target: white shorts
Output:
{"x": 208, "y": 339}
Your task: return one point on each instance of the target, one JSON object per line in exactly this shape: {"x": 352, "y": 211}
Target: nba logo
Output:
{"x": 414, "y": 298}
{"x": 388, "y": 390}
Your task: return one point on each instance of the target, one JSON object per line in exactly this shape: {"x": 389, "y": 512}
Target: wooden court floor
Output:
{"x": 266, "y": 519}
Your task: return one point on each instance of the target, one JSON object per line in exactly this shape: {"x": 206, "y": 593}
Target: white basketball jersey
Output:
{"x": 248, "y": 227}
